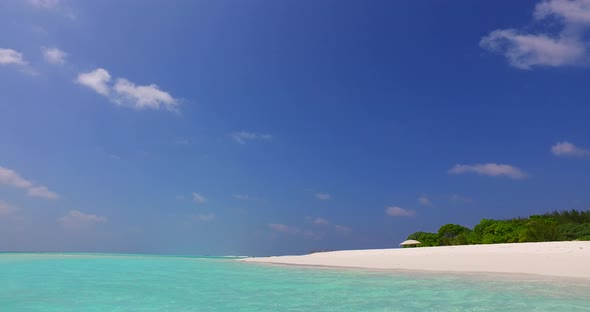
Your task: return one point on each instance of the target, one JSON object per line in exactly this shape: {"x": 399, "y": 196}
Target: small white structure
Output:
{"x": 410, "y": 243}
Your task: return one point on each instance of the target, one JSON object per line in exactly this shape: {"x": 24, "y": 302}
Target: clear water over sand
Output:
{"x": 78, "y": 282}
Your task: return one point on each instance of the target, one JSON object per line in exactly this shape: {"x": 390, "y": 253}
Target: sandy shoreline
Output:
{"x": 556, "y": 259}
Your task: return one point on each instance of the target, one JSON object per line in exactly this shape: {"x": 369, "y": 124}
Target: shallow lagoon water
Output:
{"x": 87, "y": 282}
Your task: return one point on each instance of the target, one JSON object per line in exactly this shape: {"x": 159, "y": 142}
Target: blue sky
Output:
{"x": 272, "y": 127}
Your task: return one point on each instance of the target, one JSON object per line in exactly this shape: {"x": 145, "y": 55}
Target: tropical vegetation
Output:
{"x": 564, "y": 225}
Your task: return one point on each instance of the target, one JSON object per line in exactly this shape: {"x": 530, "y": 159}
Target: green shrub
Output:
{"x": 554, "y": 226}
{"x": 426, "y": 239}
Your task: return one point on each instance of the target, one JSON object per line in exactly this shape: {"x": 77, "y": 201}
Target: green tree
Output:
{"x": 500, "y": 231}
{"x": 425, "y": 238}
{"x": 553, "y": 226}
{"x": 570, "y": 216}
{"x": 453, "y": 234}
{"x": 573, "y": 231}
{"x": 540, "y": 229}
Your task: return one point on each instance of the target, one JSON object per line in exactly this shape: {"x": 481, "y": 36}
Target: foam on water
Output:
{"x": 79, "y": 282}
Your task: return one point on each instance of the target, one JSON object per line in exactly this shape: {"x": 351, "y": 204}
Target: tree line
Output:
{"x": 564, "y": 225}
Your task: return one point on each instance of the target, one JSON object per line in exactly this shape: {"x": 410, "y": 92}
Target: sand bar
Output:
{"x": 557, "y": 259}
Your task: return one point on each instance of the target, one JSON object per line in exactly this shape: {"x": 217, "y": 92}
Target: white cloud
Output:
{"x": 320, "y": 221}
{"x": 54, "y": 6}
{"x": 341, "y": 229}
{"x": 490, "y": 169}
{"x": 525, "y": 50}
{"x": 76, "y": 218}
{"x": 96, "y": 80}
{"x": 310, "y": 234}
{"x": 243, "y": 137}
{"x": 424, "y": 200}
{"x": 126, "y": 93}
{"x": 6, "y": 208}
{"x": 11, "y": 57}
{"x": 198, "y": 198}
{"x": 569, "y": 149}
{"x": 204, "y": 217}
{"x": 282, "y": 228}
{"x": 12, "y": 178}
{"x": 141, "y": 97}
{"x": 569, "y": 11}
{"x": 45, "y": 4}
{"x": 399, "y": 212}
{"x": 241, "y": 196}
{"x": 460, "y": 199}
{"x": 41, "y": 191}
{"x": 182, "y": 141}
{"x": 323, "y": 227}
{"x": 54, "y": 56}
{"x": 322, "y": 196}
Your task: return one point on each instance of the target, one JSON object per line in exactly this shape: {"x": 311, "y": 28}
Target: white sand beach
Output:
{"x": 557, "y": 259}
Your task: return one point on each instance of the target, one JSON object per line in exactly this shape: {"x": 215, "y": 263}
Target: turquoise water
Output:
{"x": 79, "y": 282}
